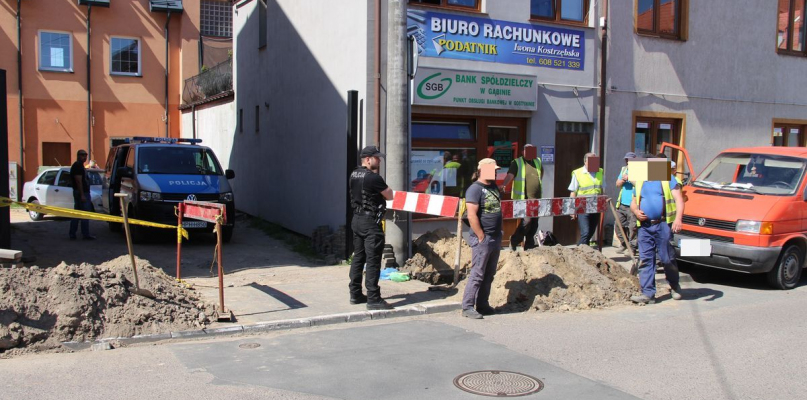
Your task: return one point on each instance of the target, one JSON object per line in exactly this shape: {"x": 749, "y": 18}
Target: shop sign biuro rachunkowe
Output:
{"x": 483, "y": 39}
{"x": 445, "y": 87}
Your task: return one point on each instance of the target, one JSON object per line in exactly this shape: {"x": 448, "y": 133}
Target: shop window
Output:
{"x": 650, "y": 133}
{"x": 791, "y": 27}
{"x": 55, "y": 51}
{"x": 125, "y": 56}
{"x": 662, "y": 18}
{"x": 789, "y": 135}
{"x": 565, "y": 11}
{"x": 443, "y": 171}
{"x": 458, "y": 4}
{"x": 446, "y": 151}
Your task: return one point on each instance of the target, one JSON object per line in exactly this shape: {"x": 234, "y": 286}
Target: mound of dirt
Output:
{"x": 41, "y": 308}
{"x": 546, "y": 278}
{"x": 433, "y": 258}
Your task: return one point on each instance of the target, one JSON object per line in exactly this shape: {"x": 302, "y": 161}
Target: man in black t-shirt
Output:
{"x": 81, "y": 195}
{"x": 368, "y": 193}
{"x": 485, "y": 238}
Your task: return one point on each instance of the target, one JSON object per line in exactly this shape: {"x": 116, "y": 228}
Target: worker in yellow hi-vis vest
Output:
{"x": 526, "y": 173}
{"x": 587, "y": 183}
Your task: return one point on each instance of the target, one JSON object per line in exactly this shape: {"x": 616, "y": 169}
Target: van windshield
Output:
{"x": 755, "y": 173}
{"x": 177, "y": 160}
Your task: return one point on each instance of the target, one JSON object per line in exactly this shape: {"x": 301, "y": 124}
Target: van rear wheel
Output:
{"x": 787, "y": 271}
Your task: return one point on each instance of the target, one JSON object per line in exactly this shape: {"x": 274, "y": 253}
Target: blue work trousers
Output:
{"x": 654, "y": 240}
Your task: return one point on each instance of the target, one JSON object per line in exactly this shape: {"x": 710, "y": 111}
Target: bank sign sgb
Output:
{"x": 460, "y": 88}
{"x": 482, "y": 39}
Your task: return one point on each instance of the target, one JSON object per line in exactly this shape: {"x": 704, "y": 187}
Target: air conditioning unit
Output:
{"x": 174, "y": 6}
{"x": 96, "y": 3}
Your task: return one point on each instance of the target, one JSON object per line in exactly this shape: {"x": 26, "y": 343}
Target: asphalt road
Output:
{"x": 731, "y": 338}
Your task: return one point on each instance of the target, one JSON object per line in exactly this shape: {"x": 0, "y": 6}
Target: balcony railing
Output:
{"x": 210, "y": 82}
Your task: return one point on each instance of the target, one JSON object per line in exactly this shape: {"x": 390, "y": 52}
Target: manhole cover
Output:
{"x": 498, "y": 383}
{"x": 249, "y": 345}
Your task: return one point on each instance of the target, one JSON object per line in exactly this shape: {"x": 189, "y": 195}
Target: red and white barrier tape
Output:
{"x": 432, "y": 204}
{"x": 446, "y": 206}
{"x": 533, "y": 208}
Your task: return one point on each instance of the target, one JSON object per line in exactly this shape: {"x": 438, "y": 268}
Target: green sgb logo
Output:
{"x": 434, "y": 89}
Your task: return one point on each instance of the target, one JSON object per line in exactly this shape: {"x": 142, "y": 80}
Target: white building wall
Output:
{"x": 316, "y": 52}
{"x": 215, "y": 126}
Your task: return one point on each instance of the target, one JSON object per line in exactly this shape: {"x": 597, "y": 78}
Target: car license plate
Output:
{"x": 194, "y": 224}
{"x": 695, "y": 247}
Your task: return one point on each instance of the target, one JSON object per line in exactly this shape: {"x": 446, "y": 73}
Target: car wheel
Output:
{"x": 226, "y": 233}
{"x": 787, "y": 271}
{"x": 35, "y": 216}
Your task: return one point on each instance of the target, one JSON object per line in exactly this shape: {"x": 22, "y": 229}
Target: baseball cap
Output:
{"x": 371, "y": 151}
{"x": 672, "y": 164}
{"x": 630, "y": 154}
{"x": 487, "y": 161}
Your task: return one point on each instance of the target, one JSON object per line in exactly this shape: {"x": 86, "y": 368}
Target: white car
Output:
{"x": 53, "y": 187}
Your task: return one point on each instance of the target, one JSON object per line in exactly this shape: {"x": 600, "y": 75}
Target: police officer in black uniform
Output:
{"x": 367, "y": 193}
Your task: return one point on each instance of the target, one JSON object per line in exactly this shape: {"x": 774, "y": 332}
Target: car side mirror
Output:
{"x": 229, "y": 174}
{"x": 125, "y": 172}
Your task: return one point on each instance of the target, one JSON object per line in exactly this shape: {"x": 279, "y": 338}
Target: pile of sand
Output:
{"x": 41, "y": 308}
{"x": 545, "y": 278}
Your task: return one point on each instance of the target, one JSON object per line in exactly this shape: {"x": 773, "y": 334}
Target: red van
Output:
{"x": 751, "y": 205}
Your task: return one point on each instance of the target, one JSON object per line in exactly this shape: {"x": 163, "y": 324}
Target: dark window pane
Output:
{"x": 784, "y": 19}
{"x": 668, "y": 17}
{"x": 542, "y": 8}
{"x": 572, "y": 10}
{"x": 433, "y": 2}
{"x": 463, "y": 3}
{"x": 644, "y": 19}
{"x": 798, "y": 26}
{"x": 441, "y": 131}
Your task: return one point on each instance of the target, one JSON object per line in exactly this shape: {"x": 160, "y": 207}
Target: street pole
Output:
{"x": 5, "y": 214}
{"x": 352, "y": 163}
{"x": 397, "y": 233}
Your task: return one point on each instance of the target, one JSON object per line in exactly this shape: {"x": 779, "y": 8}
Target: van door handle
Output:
{"x": 56, "y": 190}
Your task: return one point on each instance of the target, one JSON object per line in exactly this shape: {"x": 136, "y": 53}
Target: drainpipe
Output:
{"x": 603, "y": 81}
{"x": 376, "y": 91}
{"x": 167, "y": 20}
{"x": 19, "y": 82}
{"x": 89, "y": 88}
{"x": 193, "y": 119}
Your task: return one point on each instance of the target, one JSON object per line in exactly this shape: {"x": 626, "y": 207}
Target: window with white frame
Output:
{"x": 125, "y": 56}
{"x": 55, "y": 51}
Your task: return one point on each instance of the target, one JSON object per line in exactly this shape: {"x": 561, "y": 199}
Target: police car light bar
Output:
{"x": 146, "y": 139}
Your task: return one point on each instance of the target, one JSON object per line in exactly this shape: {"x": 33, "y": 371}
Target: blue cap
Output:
{"x": 630, "y": 154}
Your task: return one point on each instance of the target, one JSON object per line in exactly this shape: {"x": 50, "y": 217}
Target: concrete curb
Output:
{"x": 279, "y": 325}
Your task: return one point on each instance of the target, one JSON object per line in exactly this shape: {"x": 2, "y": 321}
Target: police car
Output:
{"x": 158, "y": 174}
